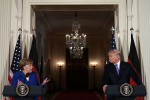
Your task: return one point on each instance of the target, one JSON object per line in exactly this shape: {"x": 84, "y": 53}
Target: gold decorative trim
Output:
{"x": 22, "y": 89}
{"x": 126, "y": 89}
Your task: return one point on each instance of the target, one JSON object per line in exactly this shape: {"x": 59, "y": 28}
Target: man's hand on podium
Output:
{"x": 104, "y": 88}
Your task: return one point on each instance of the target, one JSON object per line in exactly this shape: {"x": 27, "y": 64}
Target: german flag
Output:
{"x": 134, "y": 61}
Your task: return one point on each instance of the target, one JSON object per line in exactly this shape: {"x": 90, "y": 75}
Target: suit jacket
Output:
{"x": 110, "y": 76}
{"x": 126, "y": 71}
{"x": 33, "y": 80}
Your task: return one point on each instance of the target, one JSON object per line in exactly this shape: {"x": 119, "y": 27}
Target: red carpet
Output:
{"x": 76, "y": 95}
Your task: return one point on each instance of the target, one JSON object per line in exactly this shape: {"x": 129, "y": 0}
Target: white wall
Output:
{"x": 5, "y": 13}
{"x": 144, "y": 40}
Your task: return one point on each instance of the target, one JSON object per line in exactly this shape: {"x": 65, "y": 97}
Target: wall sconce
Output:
{"x": 60, "y": 64}
{"x": 93, "y": 64}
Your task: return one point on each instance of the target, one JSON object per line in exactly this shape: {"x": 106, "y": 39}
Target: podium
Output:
{"x": 114, "y": 91}
{"x": 34, "y": 91}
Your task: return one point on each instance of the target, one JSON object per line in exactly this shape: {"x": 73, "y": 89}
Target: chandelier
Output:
{"x": 76, "y": 42}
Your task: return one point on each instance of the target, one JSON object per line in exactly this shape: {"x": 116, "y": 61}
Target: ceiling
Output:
{"x": 94, "y": 20}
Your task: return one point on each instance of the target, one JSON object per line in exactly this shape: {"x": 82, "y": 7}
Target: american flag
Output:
{"x": 113, "y": 43}
{"x": 15, "y": 62}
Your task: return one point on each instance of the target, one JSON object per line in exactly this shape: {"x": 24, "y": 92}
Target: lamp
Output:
{"x": 76, "y": 42}
{"x": 93, "y": 64}
{"x": 60, "y": 64}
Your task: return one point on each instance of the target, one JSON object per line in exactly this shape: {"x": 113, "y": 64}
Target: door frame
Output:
{"x": 120, "y": 23}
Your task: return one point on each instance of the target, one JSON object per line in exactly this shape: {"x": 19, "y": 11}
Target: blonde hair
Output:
{"x": 115, "y": 51}
{"x": 24, "y": 62}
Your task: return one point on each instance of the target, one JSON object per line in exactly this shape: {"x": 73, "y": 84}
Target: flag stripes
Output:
{"x": 15, "y": 63}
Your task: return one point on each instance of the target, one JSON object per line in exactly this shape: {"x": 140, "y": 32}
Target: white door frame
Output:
{"x": 121, "y": 30}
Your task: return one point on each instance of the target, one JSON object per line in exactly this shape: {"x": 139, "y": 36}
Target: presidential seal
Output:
{"x": 126, "y": 89}
{"x": 22, "y": 89}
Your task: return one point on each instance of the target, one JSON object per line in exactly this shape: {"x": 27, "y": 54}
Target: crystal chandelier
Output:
{"x": 76, "y": 42}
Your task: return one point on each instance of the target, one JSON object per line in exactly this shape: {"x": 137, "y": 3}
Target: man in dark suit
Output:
{"x": 118, "y": 72}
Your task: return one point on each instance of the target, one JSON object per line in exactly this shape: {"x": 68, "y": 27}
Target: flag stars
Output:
{"x": 16, "y": 57}
{"x": 113, "y": 43}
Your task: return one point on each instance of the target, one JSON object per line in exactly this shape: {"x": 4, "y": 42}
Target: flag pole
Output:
{"x": 33, "y": 30}
{"x": 131, "y": 29}
{"x": 20, "y": 30}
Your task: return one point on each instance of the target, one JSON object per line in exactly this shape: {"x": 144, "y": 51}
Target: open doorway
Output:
{"x": 54, "y": 22}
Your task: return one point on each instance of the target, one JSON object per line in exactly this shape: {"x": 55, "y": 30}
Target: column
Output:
{"x": 5, "y": 9}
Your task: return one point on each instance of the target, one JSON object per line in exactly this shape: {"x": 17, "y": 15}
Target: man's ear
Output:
{"x": 117, "y": 57}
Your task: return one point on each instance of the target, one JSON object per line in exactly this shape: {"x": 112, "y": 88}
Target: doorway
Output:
{"x": 77, "y": 71}
{"x": 54, "y": 24}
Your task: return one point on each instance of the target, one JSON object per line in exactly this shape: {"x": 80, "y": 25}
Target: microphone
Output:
{"x": 26, "y": 77}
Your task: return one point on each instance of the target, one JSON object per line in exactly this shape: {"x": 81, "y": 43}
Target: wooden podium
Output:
{"x": 114, "y": 91}
{"x": 34, "y": 91}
